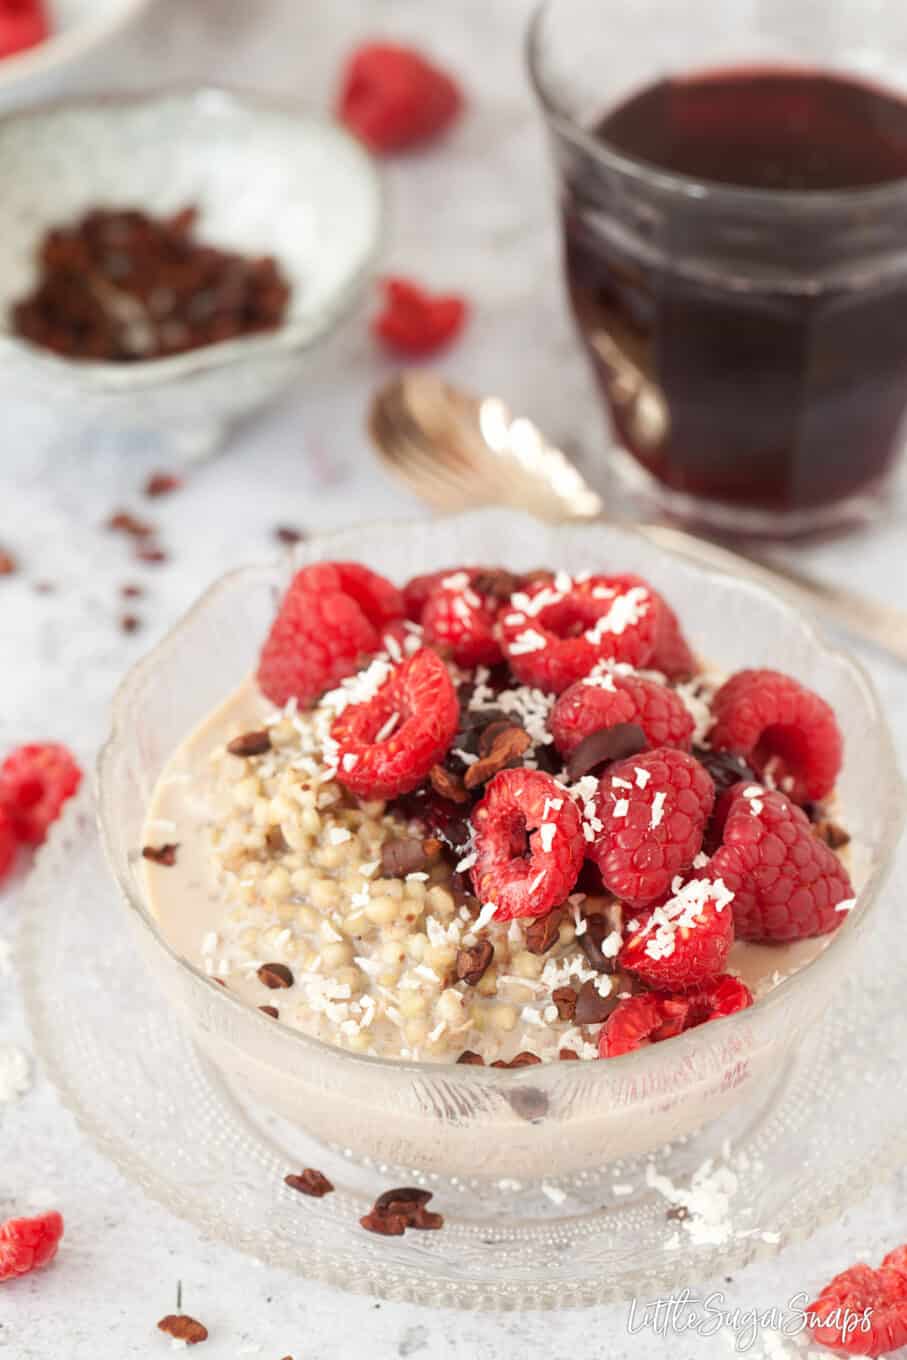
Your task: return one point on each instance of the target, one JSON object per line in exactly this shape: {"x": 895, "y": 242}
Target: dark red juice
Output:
{"x": 749, "y": 353}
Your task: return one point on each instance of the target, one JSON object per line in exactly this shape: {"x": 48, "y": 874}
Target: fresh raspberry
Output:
{"x": 654, "y": 1016}
{"x": 456, "y": 616}
{"x": 7, "y": 843}
{"x": 863, "y": 1311}
{"x": 787, "y": 883}
{"x": 391, "y": 97}
{"x": 332, "y": 616}
{"x": 418, "y": 588}
{"x": 415, "y": 322}
{"x": 672, "y": 655}
{"x": 686, "y": 941}
{"x": 786, "y": 732}
{"x": 387, "y": 745}
{"x": 653, "y": 809}
{"x": 528, "y": 844}
{"x": 35, "y": 782}
{"x": 605, "y": 700}
{"x": 27, "y": 1243}
{"x": 554, "y": 633}
{"x": 23, "y": 24}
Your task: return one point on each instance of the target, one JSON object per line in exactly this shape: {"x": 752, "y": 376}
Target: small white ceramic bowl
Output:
{"x": 266, "y": 178}
{"x": 78, "y": 28}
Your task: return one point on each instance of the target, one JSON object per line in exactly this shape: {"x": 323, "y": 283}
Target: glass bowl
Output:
{"x": 80, "y": 27}
{"x": 266, "y": 178}
{"x": 454, "y": 1121}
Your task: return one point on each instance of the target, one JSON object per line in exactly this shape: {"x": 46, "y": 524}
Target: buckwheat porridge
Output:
{"x": 529, "y": 828}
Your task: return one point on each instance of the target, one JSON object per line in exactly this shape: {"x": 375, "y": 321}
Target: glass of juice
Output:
{"x": 733, "y": 190}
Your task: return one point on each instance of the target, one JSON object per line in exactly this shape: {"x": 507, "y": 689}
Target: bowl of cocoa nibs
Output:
{"x": 168, "y": 261}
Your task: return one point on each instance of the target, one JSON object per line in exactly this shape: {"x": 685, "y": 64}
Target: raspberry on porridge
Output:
{"x": 379, "y": 841}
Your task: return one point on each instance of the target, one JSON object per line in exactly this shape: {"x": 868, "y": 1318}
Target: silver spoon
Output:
{"x": 456, "y": 452}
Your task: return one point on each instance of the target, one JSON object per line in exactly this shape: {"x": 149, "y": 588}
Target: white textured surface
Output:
{"x": 474, "y": 216}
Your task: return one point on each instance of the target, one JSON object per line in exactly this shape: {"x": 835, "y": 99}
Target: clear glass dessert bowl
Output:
{"x": 267, "y": 179}
{"x": 462, "y": 1121}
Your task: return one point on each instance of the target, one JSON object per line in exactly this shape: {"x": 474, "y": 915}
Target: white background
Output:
{"x": 475, "y": 216}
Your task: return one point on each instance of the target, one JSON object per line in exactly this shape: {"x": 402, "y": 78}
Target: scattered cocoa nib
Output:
{"x": 310, "y": 1182}
{"x": 410, "y": 1195}
{"x": 567, "y": 1055}
{"x": 8, "y": 563}
{"x": 607, "y": 744}
{"x": 183, "y": 1328}
{"x": 124, "y": 522}
{"x": 507, "y": 743}
{"x": 524, "y": 1059}
{"x": 396, "y": 1210}
{"x": 598, "y": 928}
{"x": 591, "y": 1007}
{"x": 677, "y": 1213}
{"x": 834, "y": 836}
{"x": 426, "y": 1221}
{"x": 275, "y": 975}
{"x": 285, "y": 533}
{"x": 161, "y": 854}
{"x": 470, "y": 1059}
{"x": 162, "y": 484}
{"x": 447, "y": 784}
{"x": 130, "y": 623}
{"x": 384, "y": 1224}
{"x": 250, "y": 743}
{"x": 405, "y": 856}
{"x": 131, "y": 591}
{"x": 496, "y": 582}
{"x": 473, "y": 963}
{"x": 272, "y": 1011}
{"x": 150, "y": 552}
{"x": 543, "y": 933}
{"x": 565, "y": 1000}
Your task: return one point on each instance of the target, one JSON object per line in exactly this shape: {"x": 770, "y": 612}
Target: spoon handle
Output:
{"x": 879, "y": 624}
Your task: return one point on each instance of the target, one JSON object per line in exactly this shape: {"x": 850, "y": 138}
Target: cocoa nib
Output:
{"x": 8, "y": 563}
{"x": 385, "y": 1224}
{"x": 405, "y": 856}
{"x": 412, "y": 1195}
{"x": 565, "y": 1000}
{"x": 275, "y": 975}
{"x": 590, "y": 942}
{"x": 473, "y": 963}
{"x": 605, "y": 745}
{"x": 150, "y": 552}
{"x": 567, "y": 1055}
{"x": 309, "y": 1182}
{"x": 131, "y": 592}
{"x": 286, "y": 533}
{"x": 272, "y": 1011}
{"x": 447, "y": 784}
{"x": 496, "y": 582}
{"x": 124, "y": 522}
{"x": 503, "y": 743}
{"x": 834, "y": 836}
{"x": 396, "y": 1210}
{"x": 250, "y": 744}
{"x": 591, "y": 1007}
{"x": 183, "y": 1328}
{"x": 543, "y": 933}
{"x": 470, "y": 1059}
{"x": 161, "y": 854}
{"x": 130, "y": 623}
{"x": 677, "y": 1213}
{"x": 162, "y": 484}
{"x": 524, "y": 1059}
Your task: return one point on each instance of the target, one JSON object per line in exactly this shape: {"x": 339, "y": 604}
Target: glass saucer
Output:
{"x": 140, "y": 1090}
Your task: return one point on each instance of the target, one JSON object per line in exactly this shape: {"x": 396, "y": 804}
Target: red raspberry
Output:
{"x": 782, "y": 728}
{"x": 786, "y": 882}
{"x": 417, "y": 590}
{"x": 458, "y": 617}
{"x": 414, "y": 322}
{"x": 332, "y": 616}
{"x": 23, "y": 24}
{"x": 606, "y": 700}
{"x": 35, "y": 782}
{"x": 528, "y": 844}
{"x": 7, "y": 843}
{"x": 686, "y": 941}
{"x": 653, "y": 809}
{"x": 554, "y": 633}
{"x": 863, "y": 1311}
{"x": 387, "y": 745}
{"x": 672, "y": 655}
{"x": 392, "y": 97}
{"x": 655, "y": 1016}
{"x": 27, "y": 1243}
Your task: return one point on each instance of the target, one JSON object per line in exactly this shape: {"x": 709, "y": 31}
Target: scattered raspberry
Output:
{"x": 653, "y": 809}
{"x": 28, "y": 1243}
{"x": 606, "y": 700}
{"x": 387, "y": 745}
{"x": 392, "y": 97}
{"x": 332, "y": 616}
{"x": 863, "y": 1311}
{"x": 35, "y": 782}
{"x": 787, "y": 883}
{"x": 686, "y": 941}
{"x": 672, "y": 655}
{"x": 654, "y": 1016}
{"x": 456, "y": 616}
{"x": 415, "y": 322}
{"x": 23, "y": 24}
{"x": 528, "y": 844}
{"x": 786, "y": 732}
{"x": 7, "y": 843}
{"x": 553, "y": 637}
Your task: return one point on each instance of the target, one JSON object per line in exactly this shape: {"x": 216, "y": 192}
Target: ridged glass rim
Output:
{"x": 628, "y": 1066}
{"x": 63, "y": 46}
